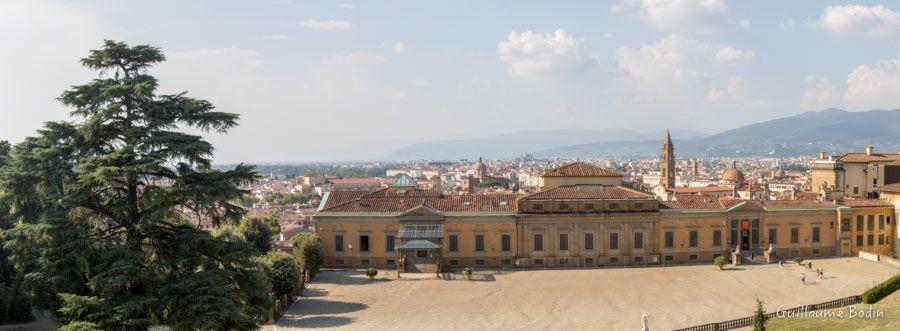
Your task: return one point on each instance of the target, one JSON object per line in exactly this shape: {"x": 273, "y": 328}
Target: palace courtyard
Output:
{"x": 599, "y": 299}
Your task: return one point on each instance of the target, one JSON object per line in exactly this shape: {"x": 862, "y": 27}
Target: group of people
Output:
{"x": 809, "y": 268}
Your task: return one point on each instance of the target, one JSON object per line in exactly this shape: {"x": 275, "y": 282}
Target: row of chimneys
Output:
{"x": 870, "y": 150}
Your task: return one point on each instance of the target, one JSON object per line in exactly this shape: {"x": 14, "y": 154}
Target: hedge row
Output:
{"x": 13, "y": 307}
{"x": 881, "y": 290}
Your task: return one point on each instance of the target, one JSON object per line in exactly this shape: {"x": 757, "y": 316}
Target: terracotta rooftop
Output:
{"x": 865, "y": 203}
{"x": 337, "y": 197}
{"x": 587, "y": 192}
{"x": 863, "y": 157}
{"x": 712, "y": 203}
{"x": 893, "y": 188}
{"x": 581, "y": 169}
{"x": 700, "y": 189}
{"x": 441, "y": 203}
{"x": 358, "y": 181}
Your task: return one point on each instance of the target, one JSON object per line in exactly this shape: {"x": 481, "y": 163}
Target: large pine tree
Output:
{"x": 103, "y": 204}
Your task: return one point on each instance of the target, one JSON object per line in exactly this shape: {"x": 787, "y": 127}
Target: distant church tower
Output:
{"x": 667, "y": 163}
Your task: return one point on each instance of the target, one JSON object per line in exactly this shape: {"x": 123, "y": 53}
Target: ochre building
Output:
{"x": 584, "y": 216}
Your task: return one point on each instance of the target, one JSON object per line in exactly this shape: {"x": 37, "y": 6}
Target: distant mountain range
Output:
{"x": 833, "y": 130}
{"x": 517, "y": 143}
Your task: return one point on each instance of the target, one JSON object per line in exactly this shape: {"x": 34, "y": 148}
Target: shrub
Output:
{"x": 284, "y": 273}
{"x": 371, "y": 272}
{"x": 759, "y": 317}
{"x": 882, "y": 290}
{"x": 720, "y": 261}
{"x": 468, "y": 271}
{"x": 798, "y": 260}
{"x": 14, "y": 308}
{"x": 308, "y": 250}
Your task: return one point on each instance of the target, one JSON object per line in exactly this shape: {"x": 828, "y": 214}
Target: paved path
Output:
{"x": 609, "y": 299}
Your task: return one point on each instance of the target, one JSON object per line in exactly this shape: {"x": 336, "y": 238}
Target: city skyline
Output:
{"x": 335, "y": 80}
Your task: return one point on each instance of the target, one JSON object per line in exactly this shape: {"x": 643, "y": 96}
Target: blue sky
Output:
{"x": 325, "y": 80}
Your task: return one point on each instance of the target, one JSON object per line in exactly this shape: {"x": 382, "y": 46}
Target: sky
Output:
{"x": 354, "y": 80}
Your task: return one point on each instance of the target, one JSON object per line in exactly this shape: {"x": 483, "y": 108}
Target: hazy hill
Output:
{"x": 517, "y": 143}
{"x": 834, "y": 130}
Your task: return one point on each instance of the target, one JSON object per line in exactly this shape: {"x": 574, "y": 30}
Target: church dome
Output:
{"x": 733, "y": 175}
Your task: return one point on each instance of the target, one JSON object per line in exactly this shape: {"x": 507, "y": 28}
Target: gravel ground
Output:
{"x": 608, "y": 299}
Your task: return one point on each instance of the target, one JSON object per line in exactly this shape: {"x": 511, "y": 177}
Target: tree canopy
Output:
{"x": 100, "y": 204}
{"x": 258, "y": 231}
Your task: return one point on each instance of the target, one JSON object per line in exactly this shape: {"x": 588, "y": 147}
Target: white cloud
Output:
{"x": 819, "y": 94}
{"x": 735, "y": 93}
{"x": 730, "y": 54}
{"x": 356, "y": 60}
{"x": 325, "y": 25}
{"x": 745, "y": 23}
{"x": 545, "y": 54}
{"x": 399, "y": 47}
{"x": 347, "y": 6}
{"x": 676, "y": 59}
{"x": 860, "y": 20}
{"x": 874, "y": 86}
{"x": 608, "y": 35}
{"x": 679, "y": 15}
{"x": 787, "y": 24}
{"x": 275, "y": 37}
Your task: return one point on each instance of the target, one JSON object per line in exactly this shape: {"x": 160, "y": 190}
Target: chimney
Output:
{"x": 870, "y": 150}
{"x": 822, "y": 155}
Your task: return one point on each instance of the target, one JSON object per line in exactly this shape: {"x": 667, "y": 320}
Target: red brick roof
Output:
{"x": 893, "y": 188}
{"x": 587, "y": 192}
{"x": 865, "y": 203}
{"x": 693, "y": 201}
{"x": 863, "y": 157}
{"x": 709, "y": 202}
{"x": 338, "y": 197}
{"x": 700, "y": 189}
{"x": 391, "y": 201}
{"x": 581, "y": 169}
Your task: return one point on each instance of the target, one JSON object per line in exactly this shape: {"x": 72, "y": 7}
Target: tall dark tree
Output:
{"x": 125, "y": 172}
{"x": 258, "y": 231}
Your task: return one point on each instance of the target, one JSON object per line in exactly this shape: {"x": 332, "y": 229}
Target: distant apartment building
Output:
{"x": 855, "y": 175}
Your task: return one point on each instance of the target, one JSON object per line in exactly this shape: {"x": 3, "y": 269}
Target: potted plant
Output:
{"x": 720, "y": 261}
{"x": 468, "y": 272}
{"x": 371, "y": 272}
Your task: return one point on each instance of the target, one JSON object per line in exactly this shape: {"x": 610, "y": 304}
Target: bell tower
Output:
{"x": 667, "y": 163}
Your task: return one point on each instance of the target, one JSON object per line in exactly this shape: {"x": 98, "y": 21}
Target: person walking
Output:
{"x": 780, "y": 264}
{"x": 802, "y": 279}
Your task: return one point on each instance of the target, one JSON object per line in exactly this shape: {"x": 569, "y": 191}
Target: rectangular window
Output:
{"x": 505, "y": 243}
{"x": 734, "y": 237}
{"x": 717, "y": 238}
{"x": 638, "y": 205}
{"x": 538, "y": 206}
{"x": 859, "y": 222}
{"x": 613, "y": 205}
{"x": 589, "y": 260}
{"x": 389, "y": 241}
{"x": 638, "y": 240}
{"x": 454, "y": 243}
{"x": 870, "y": 240}
{"x": 871, "y": 221}
{"x": 563, "y": 206}
{"x": 538, "y": 242}
{"x": 692, "y": 257}
{"x": 339, "y": 243}
{"x": 363, "y": 243}
{"x": 815, "y": 234}
{"x": 773, "y": 236}
{"x": 563, "y": 242}
{"x": 454, "y": 262}
{"x": 845, "y": 225}
{"x": 881, "y": 239}
{"x": 391, "y": 262}
{"x": 754, "y": 236}
{"x": 479, "y": 243}
{"x": 589, "y": 206}
{"x": 670, "y": 239}
{"x": 613, "y": 240}
{"x": 859, "y": 240}
{"x": 589, "y": 241}
{"x": 538, "y": 261}
{"x": 364, "y": 262}
{"x": 880, "y": 222}
{"x": 795, "y": 235}
{"x": 669, "y": 258}
{"x": 479, "y": 262}
{"x": 692, "y": 238}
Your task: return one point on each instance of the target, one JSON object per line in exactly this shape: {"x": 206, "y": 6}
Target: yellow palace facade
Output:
{"x": 584, "y": 216}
